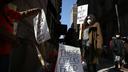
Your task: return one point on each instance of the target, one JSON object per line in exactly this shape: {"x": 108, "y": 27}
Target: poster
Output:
{"x": 69, "y": 59}
{"x": 82, "y": 12}
{"x": 41, "y": 28}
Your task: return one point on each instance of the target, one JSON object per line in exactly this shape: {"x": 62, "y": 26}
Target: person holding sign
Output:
{"x": 91, "y": 42}
{"x": 8, "y": 15}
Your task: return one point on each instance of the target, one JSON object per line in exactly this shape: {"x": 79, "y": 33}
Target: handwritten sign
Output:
{"x": 69, "y": 59}
{"x": 81, "y": 13}
{"x": 40, "y": 27}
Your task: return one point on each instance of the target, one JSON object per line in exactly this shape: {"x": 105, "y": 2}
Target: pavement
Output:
{"x": 112, "y": 69}
{"x": 107, "y": 65}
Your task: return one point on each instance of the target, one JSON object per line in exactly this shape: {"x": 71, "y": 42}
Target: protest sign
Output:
{"x": 69, "y": 59}
{"x": 82, "y": 12}
{"x": 41, "y": 28}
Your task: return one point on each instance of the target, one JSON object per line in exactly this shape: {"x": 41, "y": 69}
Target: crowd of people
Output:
{"x": 8, "y": 41}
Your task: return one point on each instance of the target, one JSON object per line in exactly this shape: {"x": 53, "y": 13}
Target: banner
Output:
{"x": 81, "y": 13}
{"x": 40, "y": 27}
{"x": 69, "y": 59}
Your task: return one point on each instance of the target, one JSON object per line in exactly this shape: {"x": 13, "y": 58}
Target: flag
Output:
{"x": 41, "y": 28}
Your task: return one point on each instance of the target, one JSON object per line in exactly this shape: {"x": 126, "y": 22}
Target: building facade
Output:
{"x": 74, "y": 18}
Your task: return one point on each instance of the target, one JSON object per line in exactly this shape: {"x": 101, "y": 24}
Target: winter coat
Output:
{"x": 99, "y": 37}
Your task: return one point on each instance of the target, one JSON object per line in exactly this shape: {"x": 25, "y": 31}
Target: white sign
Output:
{"x": 69, "y": 59}
{"x": 40, "y": 27}
{"x": 81, "y": 13}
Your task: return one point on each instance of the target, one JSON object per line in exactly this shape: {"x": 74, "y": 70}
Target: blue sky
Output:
{"x": 66, "y": 11}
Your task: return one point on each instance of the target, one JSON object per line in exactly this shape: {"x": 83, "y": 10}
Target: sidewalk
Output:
{"x": 107, "y": 65}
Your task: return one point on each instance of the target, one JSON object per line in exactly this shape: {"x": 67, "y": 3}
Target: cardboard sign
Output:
{"x": 69, "y": 59}
{"x": 81, "y": 13}
{"x": 40, "y": 27}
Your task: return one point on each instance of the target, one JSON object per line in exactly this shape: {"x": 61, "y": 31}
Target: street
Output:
{"x": 106, "y": 64}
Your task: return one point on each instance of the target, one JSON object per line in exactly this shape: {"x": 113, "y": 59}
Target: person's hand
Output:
{"x": 35, "y": 10}
{"x": 38, "y": 9}
{"x": 30, "y": 12}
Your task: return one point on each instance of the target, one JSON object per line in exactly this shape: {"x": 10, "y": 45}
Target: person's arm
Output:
{"x": 30, "y": 12}
{"x": 11, "y": 12}
{"x": 99, "y": 35}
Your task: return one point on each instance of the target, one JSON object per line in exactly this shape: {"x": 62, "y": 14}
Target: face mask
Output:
{"x": 117, "y": 36}
{"x": 89, "y": 21}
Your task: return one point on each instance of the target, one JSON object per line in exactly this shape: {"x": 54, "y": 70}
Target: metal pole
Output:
{"x": 117, "y": 17}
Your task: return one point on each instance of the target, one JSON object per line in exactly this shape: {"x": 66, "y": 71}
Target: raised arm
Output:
{"x": 30, "y": 12}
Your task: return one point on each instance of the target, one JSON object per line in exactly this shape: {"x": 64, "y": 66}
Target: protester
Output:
{"x": 7, "y": 39}
{"x": 91, "y": 41}
{"x": 117, "y": 45}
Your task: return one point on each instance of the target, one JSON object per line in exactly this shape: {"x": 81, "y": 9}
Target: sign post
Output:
{"x": 82, "y": 12}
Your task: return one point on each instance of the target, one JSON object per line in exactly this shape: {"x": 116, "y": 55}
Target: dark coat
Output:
{"x": 117, "y": 46}
{"x": 24, "y": 56}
